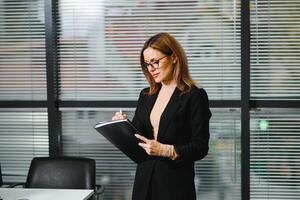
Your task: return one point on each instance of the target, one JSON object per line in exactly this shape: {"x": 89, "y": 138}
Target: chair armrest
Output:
{"x": 99, "y": 189}
{"x": 16, "y": 184}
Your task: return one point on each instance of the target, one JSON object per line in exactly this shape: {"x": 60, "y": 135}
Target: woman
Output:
{"x": 172, "y": 116}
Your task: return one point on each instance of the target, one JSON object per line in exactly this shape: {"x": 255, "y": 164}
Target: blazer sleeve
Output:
{"x": 197, "y": 147}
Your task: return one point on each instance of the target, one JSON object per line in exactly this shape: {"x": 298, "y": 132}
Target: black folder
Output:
{"x": 121, "y": 134}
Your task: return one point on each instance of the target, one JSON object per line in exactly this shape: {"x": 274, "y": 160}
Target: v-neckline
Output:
{"x": 163, "y": 112}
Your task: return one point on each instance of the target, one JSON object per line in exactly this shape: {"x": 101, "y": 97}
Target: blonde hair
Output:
{"x": 168, "y": 45}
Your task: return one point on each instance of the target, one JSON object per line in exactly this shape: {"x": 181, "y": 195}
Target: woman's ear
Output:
{"x": 174, "y": 58}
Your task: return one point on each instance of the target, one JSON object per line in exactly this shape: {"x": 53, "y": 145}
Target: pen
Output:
{"x": 121, "y": 111}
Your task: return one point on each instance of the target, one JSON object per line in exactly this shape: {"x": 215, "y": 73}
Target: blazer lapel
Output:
{"x": 168, "y": 113}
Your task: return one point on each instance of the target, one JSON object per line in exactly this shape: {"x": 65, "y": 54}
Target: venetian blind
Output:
{"x": 274, "y": 154}
{"x": 100, "y": 41}
{"x": 23, "y": 135}
{"x": 22, "y": 50}
{"x": 275, "y": 49}
{"x": 217, "y": 176}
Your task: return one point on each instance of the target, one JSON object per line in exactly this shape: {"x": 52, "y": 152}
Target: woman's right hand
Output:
{"x": 119, "y": 116}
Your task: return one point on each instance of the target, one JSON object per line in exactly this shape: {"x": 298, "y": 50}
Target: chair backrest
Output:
{"x": 61, "y": 173}
{"x": 1, "y": 182}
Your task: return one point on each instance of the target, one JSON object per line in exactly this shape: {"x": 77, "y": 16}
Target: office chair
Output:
{"x": 62, "y": 173}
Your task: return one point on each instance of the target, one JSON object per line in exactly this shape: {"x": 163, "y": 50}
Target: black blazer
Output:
{"x": 184, "y": 124}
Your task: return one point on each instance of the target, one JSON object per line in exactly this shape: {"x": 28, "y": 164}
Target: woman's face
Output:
{"x": 159, "y": 65}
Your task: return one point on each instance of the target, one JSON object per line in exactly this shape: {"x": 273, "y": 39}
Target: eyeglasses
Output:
{"x": 153, "y": 64}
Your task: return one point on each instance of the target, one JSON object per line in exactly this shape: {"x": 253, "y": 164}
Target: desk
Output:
{"x": 44, "y": 194}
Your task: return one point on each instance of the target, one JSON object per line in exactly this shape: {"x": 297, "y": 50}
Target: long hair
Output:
{"x": 168, "y": 45}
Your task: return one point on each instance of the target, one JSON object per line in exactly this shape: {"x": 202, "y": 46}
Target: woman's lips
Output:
{"x": 155, "y": 75}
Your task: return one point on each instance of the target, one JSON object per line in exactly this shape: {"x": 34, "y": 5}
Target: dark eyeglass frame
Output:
{"x": 153, "y": 63}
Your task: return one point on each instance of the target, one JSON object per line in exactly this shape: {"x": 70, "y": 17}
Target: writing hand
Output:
{"x": 119, "y": 115}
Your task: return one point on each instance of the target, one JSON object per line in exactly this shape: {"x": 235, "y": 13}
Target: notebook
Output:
{"x": 121, "y": 134}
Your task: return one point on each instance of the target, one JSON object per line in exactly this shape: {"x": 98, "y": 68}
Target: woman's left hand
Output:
{"x": 152, "y": 147}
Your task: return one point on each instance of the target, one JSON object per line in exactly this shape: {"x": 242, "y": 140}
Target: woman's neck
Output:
{"x": 170, "y": 83}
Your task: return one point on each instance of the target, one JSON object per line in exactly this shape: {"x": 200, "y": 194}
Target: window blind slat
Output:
{"x": 106, "y": 38}
{"x": 275, "y": 45}
{"x": 274, "y": 154}
{"x": 23, "y": 135}
{"x": 22, "y": 50}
